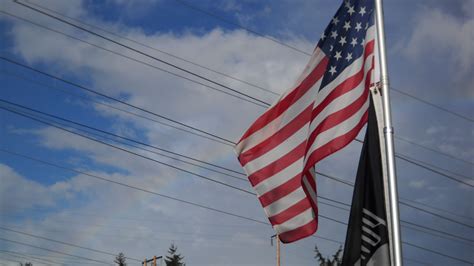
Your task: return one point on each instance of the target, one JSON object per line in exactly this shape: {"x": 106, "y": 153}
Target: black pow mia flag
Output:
{"x": 367, "y": 241}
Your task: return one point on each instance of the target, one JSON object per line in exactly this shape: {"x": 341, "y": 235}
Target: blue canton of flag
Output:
{"x": 344, "y": 38}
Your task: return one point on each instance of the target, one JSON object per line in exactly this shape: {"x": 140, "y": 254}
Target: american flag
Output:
{"x": 321, "y": 114}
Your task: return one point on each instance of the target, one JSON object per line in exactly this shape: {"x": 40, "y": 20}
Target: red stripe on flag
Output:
{"x": 338, "y": 117}
{"x": 291, "y": 212}
{"x": 281, "y": 191}
{"x": 300, "y": 232}
{"x": 288, "y": 101}
{"x": 335, "y": 144}
{"x": 276, "y": 139}
{"x": 278, "y": 165}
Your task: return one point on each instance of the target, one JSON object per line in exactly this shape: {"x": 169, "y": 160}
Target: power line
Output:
{"x": 449, "y": 219}
{"x": 158, "y": 59}
{"x": 20, "y": 255}
{"x": 240, "y": 80}
{"x": 176, "y": 199}
{"x": 113, "y": 99}
{"x": 267, "y": 104}
{"x": 130, "y": 58}
{"x": 148, "y": 158}
{"x": 213, "y": 135}
{"x": 151, "y": 159}
{"x": 240, "y": 26}
{"x": 437, "y": 252}
{"x": 230, "y": 141}
{"x": 191, "y": 127}
{"x": 208, "y": 13}
{"x": 135, "y": 141}
{"x": 110, "y": 106}
{"x": 55, "y": 251}
{"x": 19, "y": 262}
{"x": 42, "y": 256}
{"x": 129, "y": 186}
{"x": 434, "y": 105}
{"x": 128, "y": 151}
{"x": 433, "y": 150}
{"x": 140, "y": 52}
{"x": 143, "y": 190}
{"x": 174, "y": 167}
{"x": 436, "y": 214}
{"x": 439, "y": 209}
{"x": 422, "y": 165}
{"x": 64, "y": 243}
{"x": 339, "y": 180}
{"x": 115, "y": 108}
{"x": 436, "y": 167}
{"x": 115, "y": 34}
{"x": 401, "y": 201}
{"x": 418, "y": 227}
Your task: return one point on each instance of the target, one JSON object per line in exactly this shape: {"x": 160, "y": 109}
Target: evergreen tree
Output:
{"x": 174, "y": 259}
{"x": 120, "y": 259}
{"x": 335, "y": 261}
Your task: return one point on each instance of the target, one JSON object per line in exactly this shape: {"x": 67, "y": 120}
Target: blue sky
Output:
{"x": 430, "y": 55}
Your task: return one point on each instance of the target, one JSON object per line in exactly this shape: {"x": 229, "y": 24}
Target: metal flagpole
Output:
{"x": 396, "y": 245}
{"x": 278, "y": 249}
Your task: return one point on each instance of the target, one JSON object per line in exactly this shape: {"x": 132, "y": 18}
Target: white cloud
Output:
{"x": 19, "y": 192}
{"x": 447, "y": 40}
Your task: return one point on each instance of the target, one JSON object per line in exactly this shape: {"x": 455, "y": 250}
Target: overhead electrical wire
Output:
{"x": 437, "y": 252}
{"x": 232, "y": 77}
{"x": 113, "y": 99}
{"x": 133, "y": 59}
{"x": 141, "y": 53}
{"x": 439, "y": 209}
{"x": 97, "y": 46}
{"x": 148, "y": 158}
{"x": 143, "y": 189}
{"x": 436, "y": 167}
{"x": 137, "y": 142}
{"x": 121, "y": 36}
{"x": 49, "y": 256}
{"x": 65, "y": 243}
{"x": 114, "y": 107}
{"x": 32, "y": 258}
{"x": 434, "y": 105}
{"x": 54, "y": 251}
{"x": 191, "y": 127}
{"x": 184, "y": 3}
{"x": 188, "y": 202}
{"x": 127, "y": 151}
{"x": 339, "y": 180}
{"x": 403, "y": 203}
{"x": 206, "y": 178}
{"x": 433, "y": 150}
{"x": 208, "y": 13}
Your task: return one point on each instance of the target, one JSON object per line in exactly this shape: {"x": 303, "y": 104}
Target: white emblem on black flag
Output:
{"x": 367, "y": 237}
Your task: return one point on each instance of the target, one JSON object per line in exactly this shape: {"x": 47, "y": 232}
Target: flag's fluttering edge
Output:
{"x": 367, "y": 240}
{"x": 322, "y": 113}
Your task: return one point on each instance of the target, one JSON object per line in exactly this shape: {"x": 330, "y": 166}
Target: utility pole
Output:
{"x": 153, "y": 260}
{"x": 277, "y": 238}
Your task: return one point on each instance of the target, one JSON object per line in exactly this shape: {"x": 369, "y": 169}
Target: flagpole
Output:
{"x": 396, "y": 244}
